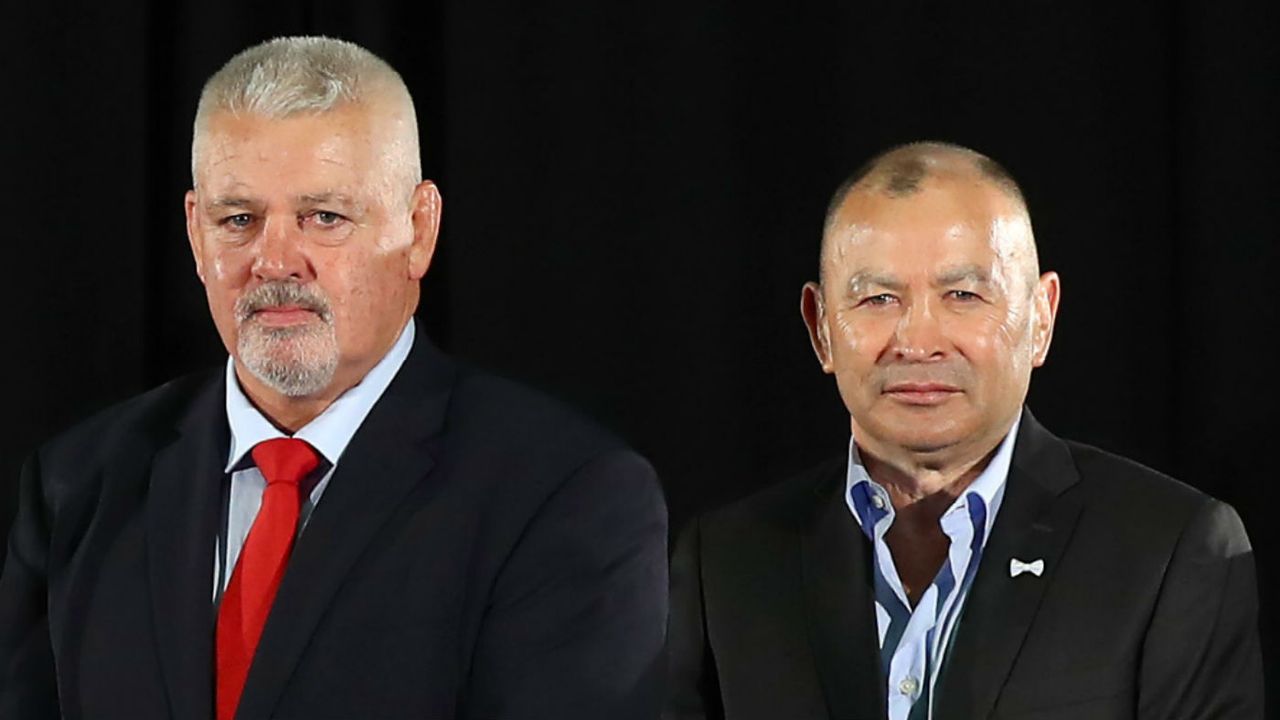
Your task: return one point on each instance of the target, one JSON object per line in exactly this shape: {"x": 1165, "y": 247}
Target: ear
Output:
{"x": 425, "y": 206}
{"x": 194, "y": 233}
{"x": 1048, "y": 292}
{"x": 815, "y": 319}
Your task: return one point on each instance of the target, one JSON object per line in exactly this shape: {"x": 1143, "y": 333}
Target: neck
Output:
{"x": 290, "y": 414}
{"x": 921, "y": 491}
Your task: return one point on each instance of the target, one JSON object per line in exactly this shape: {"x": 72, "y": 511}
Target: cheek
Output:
{"x": 225, "y": 274}
{"x": 1003, "y": 342}
{"x": 226, "y": 266}
{"x": 1016, "y": 330}
{"x": 219, "y": 271}
{"x": 858, "y": 338}
{"x": 395, "y": 238}
{"x": 358, "y": 287}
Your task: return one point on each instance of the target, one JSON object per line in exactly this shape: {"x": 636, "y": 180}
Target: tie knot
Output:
{"x": 285, "y": 460}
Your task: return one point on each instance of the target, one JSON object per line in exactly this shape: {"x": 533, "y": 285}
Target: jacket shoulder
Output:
{"x": 1133, "y": 499}
{"x": 514, "y": 418}
{"x": 1118, "y": 477}
{"x": 145, "y": 417}
{"x": 525, "y": 446}
{"x": 786, "y": 507}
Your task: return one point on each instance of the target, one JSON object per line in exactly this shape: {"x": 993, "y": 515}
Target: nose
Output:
{"x": 280, "y": 251}
{"x": 919, "y": 335}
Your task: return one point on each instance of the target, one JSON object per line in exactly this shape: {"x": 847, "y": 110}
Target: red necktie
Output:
{"x": 247, "y": 601}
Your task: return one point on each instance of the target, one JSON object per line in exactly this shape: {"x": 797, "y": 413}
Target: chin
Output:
{"x": 924, "y": 435}
{"x": 928, "y": 446}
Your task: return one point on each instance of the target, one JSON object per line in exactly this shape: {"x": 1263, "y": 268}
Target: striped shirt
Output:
{"x": 914, "y": 641}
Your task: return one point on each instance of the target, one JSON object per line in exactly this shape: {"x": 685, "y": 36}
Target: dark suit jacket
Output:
{"x": 1147, "y": 607}
{"x": 480, "y": 552}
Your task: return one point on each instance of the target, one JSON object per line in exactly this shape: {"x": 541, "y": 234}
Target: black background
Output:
{"x": 634, "y": 195}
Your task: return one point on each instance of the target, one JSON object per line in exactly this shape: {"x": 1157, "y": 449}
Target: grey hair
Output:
{"x": 290, "y": 76}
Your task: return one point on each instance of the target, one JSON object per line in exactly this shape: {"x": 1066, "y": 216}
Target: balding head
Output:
{"x": 903, "y": 171}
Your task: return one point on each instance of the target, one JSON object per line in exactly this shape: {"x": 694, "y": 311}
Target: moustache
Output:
{"x": 282, "y": 294}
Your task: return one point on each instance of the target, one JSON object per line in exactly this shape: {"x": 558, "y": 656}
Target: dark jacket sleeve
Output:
{"x": 693, "y": 688}
{"x": 1202, "y": 658}
{"x": 28, "y": 688}
{"x": 576, "y": 623}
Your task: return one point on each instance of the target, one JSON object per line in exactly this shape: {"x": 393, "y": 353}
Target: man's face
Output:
{"x": 930, "y": 316}
{"x": 310, "y": 242}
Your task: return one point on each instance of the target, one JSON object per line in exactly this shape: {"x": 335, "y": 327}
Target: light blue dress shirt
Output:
{"x": 329, "y": 433}
{"x": 914, "y": 641}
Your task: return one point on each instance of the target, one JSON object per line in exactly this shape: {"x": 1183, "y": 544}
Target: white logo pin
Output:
{"x": 1017, "y": 567}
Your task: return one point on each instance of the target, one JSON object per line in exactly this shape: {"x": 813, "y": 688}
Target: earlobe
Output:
{"x": 815, "y": 320}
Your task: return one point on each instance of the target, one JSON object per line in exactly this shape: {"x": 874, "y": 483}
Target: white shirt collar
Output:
{"x": 989, "y": 485}
{"x": 332, "y": 430}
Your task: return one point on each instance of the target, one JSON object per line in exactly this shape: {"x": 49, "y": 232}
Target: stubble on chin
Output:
{"x": 294, "y": 360}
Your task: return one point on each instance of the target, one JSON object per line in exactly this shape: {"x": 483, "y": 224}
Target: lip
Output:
{"x": 922, "y": 394}
{"x": 284, "y": 315}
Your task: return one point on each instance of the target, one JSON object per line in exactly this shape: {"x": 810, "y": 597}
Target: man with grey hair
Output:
{"x": 341, "y": 522}
{"x": 958, "y": 562}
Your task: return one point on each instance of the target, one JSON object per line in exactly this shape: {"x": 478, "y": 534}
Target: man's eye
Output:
{"x": 964, "y": 295}
{"x": 324, "y": 217}
{"x": 237, "y": 222}
{"x": 881, "y": 299}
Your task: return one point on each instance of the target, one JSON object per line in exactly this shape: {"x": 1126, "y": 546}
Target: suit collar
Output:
{"x": 391, "y": 455}
{"x": 836, "y": 564}
{"x": 1043, "y": 458}
{"x": 1036, "y": 521}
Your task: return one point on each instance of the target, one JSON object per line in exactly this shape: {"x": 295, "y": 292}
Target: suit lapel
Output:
{"x": 1035, "y": 521}
{"x": 388, "y": 457}
{"x": 182, "y": 514}
{"x": 839, "y": 594}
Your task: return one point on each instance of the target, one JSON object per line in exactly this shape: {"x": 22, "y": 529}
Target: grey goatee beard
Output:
{"x": 293, "y": 361}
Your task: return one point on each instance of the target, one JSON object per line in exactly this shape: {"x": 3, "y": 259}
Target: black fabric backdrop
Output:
{"x": 634, "y": 194}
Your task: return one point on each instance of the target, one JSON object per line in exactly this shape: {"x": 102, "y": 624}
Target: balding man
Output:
{"x": 960, "y": 562}
{"x": 341, "y": 522}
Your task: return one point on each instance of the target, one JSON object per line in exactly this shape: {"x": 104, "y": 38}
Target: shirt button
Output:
{"x": 909, "y": 686}
{"x": 877, "y": 501}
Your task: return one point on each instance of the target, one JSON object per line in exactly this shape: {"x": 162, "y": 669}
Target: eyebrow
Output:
{"x": 229, "y": 202}
{"x": 953, "y": 276}
{"x": 328, "y": 197}
{"x": 864, "y": 279}
{"x": 236, "y": 202}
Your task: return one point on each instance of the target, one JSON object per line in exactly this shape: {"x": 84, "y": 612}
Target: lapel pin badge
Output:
{"x": 1017, "y": 567}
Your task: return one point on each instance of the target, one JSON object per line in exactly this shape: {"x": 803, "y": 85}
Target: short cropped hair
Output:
{"x": 301, "y": 75}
